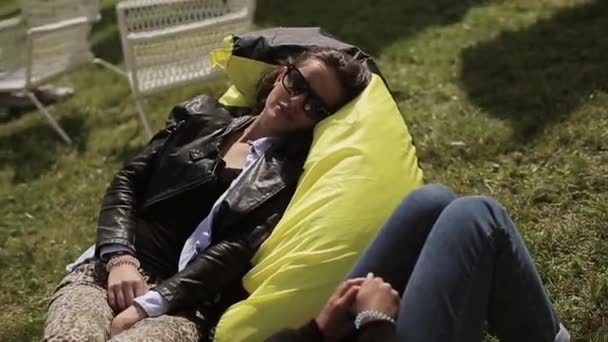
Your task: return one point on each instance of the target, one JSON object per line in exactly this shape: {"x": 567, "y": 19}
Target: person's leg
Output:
{"x": 394, "y": 251}
{"x": 165, "y": 328}
{"x": 474, "y": 265}
{"x": 79, "y": 309}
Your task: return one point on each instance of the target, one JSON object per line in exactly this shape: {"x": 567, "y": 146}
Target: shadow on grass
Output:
{"x": 34, "y": 151}
{"x": 538, "y": 76}
{"x": 371, "y": 25}
{"x": 9, "y": 114}
{"x": 10, "y": 13}
{"x": 108, "y": 47}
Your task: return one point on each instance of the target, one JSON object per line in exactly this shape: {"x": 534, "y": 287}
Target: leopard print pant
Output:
{"x": 79, "y": 311}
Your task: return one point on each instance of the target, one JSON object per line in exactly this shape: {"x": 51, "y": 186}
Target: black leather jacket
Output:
{"x": 178, "y": 161}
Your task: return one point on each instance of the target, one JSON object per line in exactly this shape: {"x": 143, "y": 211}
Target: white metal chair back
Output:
{"x": 56, "y": 49}
{"x": 49, "y": 39}
{"x": 42, "y": 12}
{"x": 166, "y": 43}
{"x": 57, "y": 38}
{"x": 13, "y": 35}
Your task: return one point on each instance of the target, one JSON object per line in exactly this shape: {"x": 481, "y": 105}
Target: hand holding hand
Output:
{"x": 126, "y": 319}
{"x": 124, "y": 284}
{"x": 335, "y": 321}
{"x": 376, "y": 294}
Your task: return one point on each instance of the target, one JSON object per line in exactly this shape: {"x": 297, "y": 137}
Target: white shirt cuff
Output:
{"x": 153, "y": 303}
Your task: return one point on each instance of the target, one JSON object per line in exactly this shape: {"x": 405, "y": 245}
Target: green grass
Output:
{"x": 506, "y": 98}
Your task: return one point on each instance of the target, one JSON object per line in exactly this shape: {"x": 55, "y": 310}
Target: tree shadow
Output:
{"x": 33, "y": 151}
{"x": 108, "y": 47}
{"x": 538, "y": 76}
{"x": 370, "y": 25}
{"x": 9, "y": 114}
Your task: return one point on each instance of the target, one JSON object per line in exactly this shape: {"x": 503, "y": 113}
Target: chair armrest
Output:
{"x": 137, "y": 4}
{"x": 64, "y": 24}
{"x": 178, "y": 31}
{"x": 11, "y": 24}
{"x": 138, "y": 16}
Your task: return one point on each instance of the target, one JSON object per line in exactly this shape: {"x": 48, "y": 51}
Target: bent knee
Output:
{"x": 431, "y": 197}
{"x": 477, "y": 212}
{"x": 477, "y": 204}
{"x": 67, "y": 324}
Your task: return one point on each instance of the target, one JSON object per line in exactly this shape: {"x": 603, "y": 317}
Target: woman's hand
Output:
{"x": 375, "y": 294}
{"x": 124, "y": 284}
{"x": 335, "y": 321}
{"x": 126, "y": 319}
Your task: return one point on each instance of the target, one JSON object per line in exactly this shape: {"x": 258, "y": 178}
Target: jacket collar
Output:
{"x": 237, "y": 124}
{"x": 206, "y": 147}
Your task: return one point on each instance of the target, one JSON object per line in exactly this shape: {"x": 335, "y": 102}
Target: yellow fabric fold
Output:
{"x": 361, "y": 164}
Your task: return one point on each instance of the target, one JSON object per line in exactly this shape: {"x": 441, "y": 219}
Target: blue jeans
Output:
{"x": 459, "y": 262}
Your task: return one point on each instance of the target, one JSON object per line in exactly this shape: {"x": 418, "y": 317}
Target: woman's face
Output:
{"x": 302, "y": 96}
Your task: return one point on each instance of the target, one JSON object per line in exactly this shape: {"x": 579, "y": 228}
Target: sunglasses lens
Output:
{"x": 296, "y": 82}
{"x": 315, "y": 107}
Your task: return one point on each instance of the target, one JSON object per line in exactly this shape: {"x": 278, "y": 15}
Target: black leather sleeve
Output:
{"x": 307, "y": 333}
{"x": 117, "y": 219}
{"x": 204, "y": 277}
{"x": 378, "y": 331}
{"x": 214, "y": 268}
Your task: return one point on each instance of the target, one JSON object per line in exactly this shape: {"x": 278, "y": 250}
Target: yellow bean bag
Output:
{"x": 362, "y": 162}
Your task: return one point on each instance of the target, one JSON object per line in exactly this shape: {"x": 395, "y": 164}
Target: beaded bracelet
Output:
{"x": 371, "y": 314}
{"x": 125, "y": 259}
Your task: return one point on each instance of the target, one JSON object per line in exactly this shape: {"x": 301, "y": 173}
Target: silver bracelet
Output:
{"x": 363, "y": 315}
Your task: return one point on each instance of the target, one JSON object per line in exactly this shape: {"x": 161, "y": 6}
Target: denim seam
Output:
{"x": 468, "y": 295}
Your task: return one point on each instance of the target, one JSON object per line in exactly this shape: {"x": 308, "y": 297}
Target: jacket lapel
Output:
{"x": 277, "y": 169}
{"x": 206, "y": 147}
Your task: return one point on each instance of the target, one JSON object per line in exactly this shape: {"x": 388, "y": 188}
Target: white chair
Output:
{"x": 42, "y": 12}
{"x": 166, "y": 43}
{"x": 48, "y": 40}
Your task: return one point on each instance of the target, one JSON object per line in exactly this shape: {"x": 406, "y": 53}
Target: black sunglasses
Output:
{"x": 295, "y": 83}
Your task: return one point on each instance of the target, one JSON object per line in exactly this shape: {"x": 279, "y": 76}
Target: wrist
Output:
{"x": 140, "y": 310}
{"x": 122, "y": 260}
{"x": 368, "y": 316}
{"x": 108, "y": 252}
